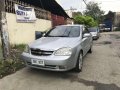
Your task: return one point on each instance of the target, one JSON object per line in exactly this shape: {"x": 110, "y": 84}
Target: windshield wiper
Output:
{"x": 62, "y": 36}
{"x": 56, "y": 36}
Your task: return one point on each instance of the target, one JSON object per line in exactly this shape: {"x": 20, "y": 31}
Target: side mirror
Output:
{"x": 38, "y": 34}
{"x": 86, "y": 35}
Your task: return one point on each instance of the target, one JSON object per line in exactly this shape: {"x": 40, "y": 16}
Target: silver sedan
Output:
{"x": 60, "y": 49}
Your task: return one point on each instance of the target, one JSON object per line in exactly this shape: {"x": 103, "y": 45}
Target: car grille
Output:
{"x": 38, "y": 52}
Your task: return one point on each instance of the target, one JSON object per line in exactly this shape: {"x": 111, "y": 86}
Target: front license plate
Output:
{"x": 38, "y": 62}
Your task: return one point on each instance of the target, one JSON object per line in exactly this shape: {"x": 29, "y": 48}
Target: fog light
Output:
{"x": 62, "y": 67}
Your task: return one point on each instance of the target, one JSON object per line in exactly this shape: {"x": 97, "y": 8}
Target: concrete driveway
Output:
{"x": 101, "y": 71}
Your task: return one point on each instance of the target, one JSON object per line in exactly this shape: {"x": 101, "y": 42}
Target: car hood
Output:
{"x": 53, "y": 43}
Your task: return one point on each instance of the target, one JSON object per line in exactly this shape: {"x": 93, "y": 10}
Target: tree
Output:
{"x": 94, "y": 11}
{"x": 86, "y": 20}
{"x": 76, "y": 13}
{"x": 4, "y": 31}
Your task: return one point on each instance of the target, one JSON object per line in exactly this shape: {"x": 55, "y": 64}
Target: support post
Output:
{"x": 4, "y": 31}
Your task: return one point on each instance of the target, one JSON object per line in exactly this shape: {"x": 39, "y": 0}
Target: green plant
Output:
{"x": 10, "y": 66}
{"x": 14, "y": 63}
{"x": 86, "y": 20}
{"x": 19, "y": 47}
{"x": 16, "y": 51}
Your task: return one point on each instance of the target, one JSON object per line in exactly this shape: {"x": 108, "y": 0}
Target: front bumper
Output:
{"x": 52, "y": 63}
{"x": 95, "y": 37}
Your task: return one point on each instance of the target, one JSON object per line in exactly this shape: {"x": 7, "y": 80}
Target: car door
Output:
{"x": 89, "y": 41}
{"x": 85, "y": 41}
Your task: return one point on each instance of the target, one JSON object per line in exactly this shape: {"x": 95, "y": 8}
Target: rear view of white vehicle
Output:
{"x": 95, "y": 32}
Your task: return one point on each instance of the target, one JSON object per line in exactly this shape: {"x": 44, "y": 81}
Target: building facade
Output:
{"x": 117, "y": 19}
{"x": 24, "y": 33}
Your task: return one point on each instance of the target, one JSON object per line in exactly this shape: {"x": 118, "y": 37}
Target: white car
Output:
{"x": 61, "y": 49}
{"x": 95, "y": 32}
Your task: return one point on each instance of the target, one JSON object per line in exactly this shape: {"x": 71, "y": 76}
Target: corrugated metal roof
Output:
{"x": 49, "y": 5}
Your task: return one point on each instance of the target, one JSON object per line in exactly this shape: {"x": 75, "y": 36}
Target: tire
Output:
{"x": 90, "y": 50}
{"x": 79, "y": 63}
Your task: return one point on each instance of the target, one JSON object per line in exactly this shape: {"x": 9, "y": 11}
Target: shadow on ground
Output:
{"x": 103, "y": 43}
{"x": 73, "y": 77}
{"x": 97, "y": 85}
{"x": 115, "y": 36}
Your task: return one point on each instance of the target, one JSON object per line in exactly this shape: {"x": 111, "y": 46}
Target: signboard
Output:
{"x": 25, "y": 14}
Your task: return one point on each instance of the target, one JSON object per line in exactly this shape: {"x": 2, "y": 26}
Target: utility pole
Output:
{"x": 4, "y": 31}
{"x": 85, "y": 2}
{"x": 72, "y": 9}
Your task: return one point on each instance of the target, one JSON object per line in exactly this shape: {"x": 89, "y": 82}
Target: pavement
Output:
{"x": 101, "y": 71}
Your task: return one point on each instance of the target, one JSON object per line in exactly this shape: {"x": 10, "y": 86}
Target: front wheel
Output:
{"x": 90, "y": 50}
{"x": 79, "y": 63}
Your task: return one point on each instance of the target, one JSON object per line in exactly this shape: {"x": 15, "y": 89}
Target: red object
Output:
{"x": 58, "y": 20}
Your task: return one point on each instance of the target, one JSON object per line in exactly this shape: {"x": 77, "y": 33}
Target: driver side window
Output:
{"x": 85, "y": 30}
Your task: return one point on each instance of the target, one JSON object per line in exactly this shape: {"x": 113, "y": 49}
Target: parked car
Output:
{"x": 101, "y": 27}
{"x": 61, "y": 49}
{"x": 107, "y": 30}
{"x": 95, "y": 32}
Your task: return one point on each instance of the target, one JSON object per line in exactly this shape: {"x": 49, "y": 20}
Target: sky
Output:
{"x": 106, "y": 5}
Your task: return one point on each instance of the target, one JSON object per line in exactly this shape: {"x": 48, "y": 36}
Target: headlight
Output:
{"x": 27, "y": 49}
{"x": 63, "y": 52}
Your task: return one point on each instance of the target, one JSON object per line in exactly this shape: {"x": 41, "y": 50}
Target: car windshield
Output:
{"x": 93, "y": 29}
{"x": 64, "y": 31}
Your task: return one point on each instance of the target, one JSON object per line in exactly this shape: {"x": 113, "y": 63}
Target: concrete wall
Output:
{"x": 117, "y": 19}
{"x": 24, "y": 33}
{"x": 58, "y": 20}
